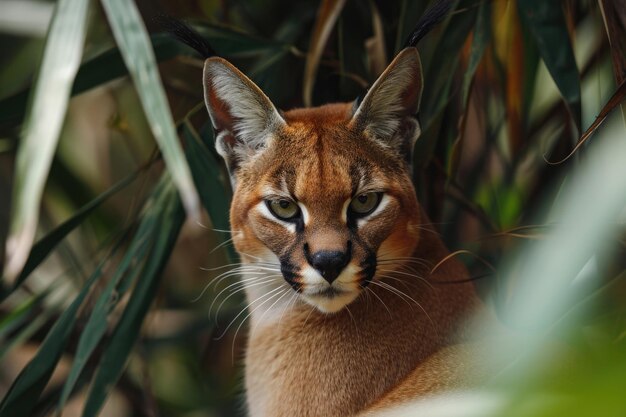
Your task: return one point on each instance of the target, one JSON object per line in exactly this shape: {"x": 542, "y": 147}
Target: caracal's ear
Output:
{"x": 243, "y": 117}
{"x": 387, "y": 113}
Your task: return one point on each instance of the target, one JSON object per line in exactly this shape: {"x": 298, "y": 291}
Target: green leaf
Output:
{"x": 128, "y": 270}
{"x": 410, "y": 12}
{"x": 43, "y": 247}
{"x": 21, "y": 313}
{"x": 134, "y": 43}
{"x": 96, "y": 71}
{"x": 109, "y": 65}
{"x": 482, "y": 35}
{"x": 208, "y": 176}
{"x": 440, "y": 73}
{"x": 233, "y": 43}
{"x": 168, "y": 222}
{"x": 60, "y": 63}
{"x": 25, "y": 333}
{"x": 546, "y": 22}
{"x": 27, "y": 387}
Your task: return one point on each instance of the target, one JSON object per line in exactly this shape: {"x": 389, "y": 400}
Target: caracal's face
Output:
{"x": 326, "y": 204}
{"x": 321, "y": 195}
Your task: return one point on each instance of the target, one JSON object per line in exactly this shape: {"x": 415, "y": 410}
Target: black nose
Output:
{"x": 329, "y": 263}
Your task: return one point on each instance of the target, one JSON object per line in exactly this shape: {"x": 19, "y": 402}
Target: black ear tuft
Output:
{"x": 431, "y": 17}
{"x": 186, "y": 34}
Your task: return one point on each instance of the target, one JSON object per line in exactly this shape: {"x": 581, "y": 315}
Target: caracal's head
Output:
{"x": 324, "y": 193}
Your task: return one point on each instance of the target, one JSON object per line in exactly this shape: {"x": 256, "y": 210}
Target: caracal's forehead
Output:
{"x": 318, "y": 160}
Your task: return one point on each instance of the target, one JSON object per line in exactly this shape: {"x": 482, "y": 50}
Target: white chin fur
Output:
{"x": 329, "y": 305}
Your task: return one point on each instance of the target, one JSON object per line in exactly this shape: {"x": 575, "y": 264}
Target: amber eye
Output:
{"x": 283, "y": 209}
{"x": 364, "y": 204}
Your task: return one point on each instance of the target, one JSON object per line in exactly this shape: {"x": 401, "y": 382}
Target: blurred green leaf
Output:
{"x": 166, "y": 224}
{"x": 44, "y": 121}
{"x": 482, "y": 36}
{"x": 109, "y": 65}
{"x": 134, "y": 43}
{"x": 129, "y": 268}
{"x": 27, "y": 387}
{"x": 25, "y": 333}
{"x": 440, "y": 73}
{"x": 546, "y": 22}
{"x": 43, "y": 247}
{"x": 410, "y": 12}
{"x": 208, "y": 177}
{"x": 21, "y": 313}
{"x": 92, "y": 73}
{"x": 232, "y": 43}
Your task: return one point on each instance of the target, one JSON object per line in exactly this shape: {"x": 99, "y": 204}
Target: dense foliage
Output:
{"x": 107, "y": 164}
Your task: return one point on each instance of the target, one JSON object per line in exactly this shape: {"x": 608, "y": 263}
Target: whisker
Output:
{"x": 246, "y": 308}
{"x": 356, "y": 327}
{"x": 294, "y": 297}
{"x": 215, "y": 282}
{"x": 401, "y": 294}
{"x": 240, "y": 282}
{"x": 239, "y": 264}
{"x": 308, "y": 315}
{"x": 252, "y": 312}
{"x": 270, "y": 280}
{"x": 225, "y": 230}
{"x": 407, "y": 285}
{"x": 221, "y": 245}
{"x": 207, "y": 286}
{"x": 270, "y": 307}
{"x": 422, "y": 279}
{"x": 240, "y": 271}
{"x": 380, "y": 299}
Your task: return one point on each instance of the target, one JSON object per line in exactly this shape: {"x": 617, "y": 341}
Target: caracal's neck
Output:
{"x": 301, "y": 362}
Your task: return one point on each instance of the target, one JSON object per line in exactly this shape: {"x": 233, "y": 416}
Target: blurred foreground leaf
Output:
{"x": 28, "y": 386}
{"x": 60, "y": 63}
{"x": 135, "y": 47}
{"x": 141, "y": 252}
{"x": 164, "y": 220}
{"x": 48, "y": 243}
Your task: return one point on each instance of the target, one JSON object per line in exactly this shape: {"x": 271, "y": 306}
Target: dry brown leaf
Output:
{"x": 326, "y": 18}
{"x": 616, "y": 99}
{"x": 375, "y": 46}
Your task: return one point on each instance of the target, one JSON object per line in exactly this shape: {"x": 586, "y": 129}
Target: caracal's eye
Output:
{"x": 364, "y": 204}
{"x": 283, "y": 209}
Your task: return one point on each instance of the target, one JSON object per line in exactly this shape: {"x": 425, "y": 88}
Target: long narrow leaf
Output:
{"x": 327, "y": 15}
{"x": 134, "y": 43}
{"x": 109, "y": 65}
{"x": 208, "y": 178}
{"x": 52, "y": 90}
{"x": 43, "y": 247}
{"x": 128, "y": 269}
{"x": 169, "y": 223}
{"x": 482, "y": 33}
{"x": 547, "y": 24}
{"x": 27, "y": 387}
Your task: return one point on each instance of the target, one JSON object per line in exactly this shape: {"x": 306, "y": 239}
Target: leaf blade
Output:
{"x": 50, "y": 98}
{"x": 546, "y": 23}
{"x": 170, "y": 220}
{"x": 44, "y": 246}
{"x": 134, "y": 43}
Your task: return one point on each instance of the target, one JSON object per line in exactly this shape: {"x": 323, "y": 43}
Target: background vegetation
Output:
{"x": 107, "y": 165}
